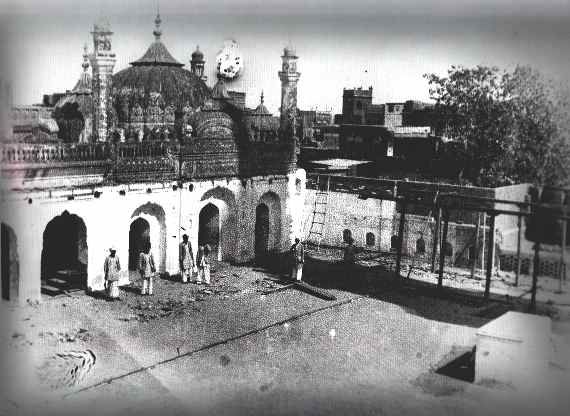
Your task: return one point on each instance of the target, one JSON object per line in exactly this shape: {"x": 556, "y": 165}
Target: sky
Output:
{"x": 388, "y": 45}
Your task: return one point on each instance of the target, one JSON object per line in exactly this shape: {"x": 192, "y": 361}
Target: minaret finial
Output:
{"x": 157, "y": 32}
{"x": 261, "y": 96}
{"x": 85, "y": 63}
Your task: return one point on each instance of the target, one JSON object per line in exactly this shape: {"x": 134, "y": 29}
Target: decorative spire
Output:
{"x": 261, "y": 97}
{"x": 157, "y": 32}
{"x": 85, "y": 63}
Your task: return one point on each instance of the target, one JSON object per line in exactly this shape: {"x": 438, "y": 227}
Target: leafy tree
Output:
{"x": 513, "y": 125}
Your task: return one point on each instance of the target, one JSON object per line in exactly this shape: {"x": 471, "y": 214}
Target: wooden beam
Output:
{"x": 400, "y": 237}
{"x": 535, "y": 271}
{"x": 435, "y": 238}
{"x": 476, "y": 246}
{"x": 518, "y": 271}
{"x": 490, "y": 259}
{"x": 442, "y": 250}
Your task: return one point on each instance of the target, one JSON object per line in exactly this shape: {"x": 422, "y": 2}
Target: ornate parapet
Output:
{"x": 202, "y": 158}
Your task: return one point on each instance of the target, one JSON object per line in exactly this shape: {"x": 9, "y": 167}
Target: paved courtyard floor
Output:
{"x": 239, "y": 347}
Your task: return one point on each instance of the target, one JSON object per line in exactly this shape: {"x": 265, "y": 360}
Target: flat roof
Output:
{"x": 340, "y": 163}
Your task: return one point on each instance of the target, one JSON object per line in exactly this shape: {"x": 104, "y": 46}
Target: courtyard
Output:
{"x": 246, "y": 345}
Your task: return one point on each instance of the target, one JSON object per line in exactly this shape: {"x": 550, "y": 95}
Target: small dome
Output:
{"x": 212, "y": 122}
{"x": 289, "y": 50}
{"x": 261, "y": 109}
{"x": 197, "y": 55}
{"x": 219, "y": 92}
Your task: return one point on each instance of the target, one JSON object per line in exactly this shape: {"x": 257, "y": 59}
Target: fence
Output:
{"x": 463, "y": 238}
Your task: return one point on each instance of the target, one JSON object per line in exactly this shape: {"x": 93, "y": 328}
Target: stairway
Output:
{"x": 319, "y": 212}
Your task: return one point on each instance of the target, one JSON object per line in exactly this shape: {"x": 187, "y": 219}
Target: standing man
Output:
{"x": 147, "y": 269}
{"x": 297, "y": 259}
{"x": 349, "y": 254}
{"x": 498, "y": 244}
{"x": 112, "y": 267}
{"x": 203, "y": 262}
{"x": 186, "y": 259}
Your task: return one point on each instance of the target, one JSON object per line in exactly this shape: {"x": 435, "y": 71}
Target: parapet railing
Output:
{"x": 25, "y": 153}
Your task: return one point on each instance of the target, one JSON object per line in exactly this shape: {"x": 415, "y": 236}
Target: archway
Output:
{"x": 273, "y": 205}
{"x": 64, "y": 255}
{"x": 10, "y": 264}
{"x": 139, "y": 236}
{"x": 209, "y": 228}
{"x": 346, "y": 236}
{"x": 224, "y": 201}
{"x": 261, "y": 231}
{"x": 148, "y": 224}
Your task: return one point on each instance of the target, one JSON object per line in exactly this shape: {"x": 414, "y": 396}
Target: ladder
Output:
{"x": 319, "y": 212}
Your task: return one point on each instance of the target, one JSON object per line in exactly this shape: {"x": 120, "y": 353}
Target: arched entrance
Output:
{"x": 64, "y": 255}
{"x": 148, "y": 224}
{"x": 272, "y": 212}
{"x": 261, "y": 231}
{"x": 10, "y": 264}
{"x": 139, "y": 236}
{"x": 209, "y": 228}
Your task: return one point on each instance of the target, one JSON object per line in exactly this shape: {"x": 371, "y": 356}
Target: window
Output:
{"x": 346, "y": 236}
{"x": 358, "y": 105}
{"x": 420, "y": 245}
{"x": 394, "y": 242}
{"x": 370, "y": 239}
{"x": 298, "y": 184}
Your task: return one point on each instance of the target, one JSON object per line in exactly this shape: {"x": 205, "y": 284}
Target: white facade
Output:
{"x": 169, "y": 212}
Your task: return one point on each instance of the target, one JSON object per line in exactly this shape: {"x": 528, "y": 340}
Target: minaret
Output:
{"x": 102, "y": 64}
{"x": 197, "y": 64}
{"x": 289, "y": 77}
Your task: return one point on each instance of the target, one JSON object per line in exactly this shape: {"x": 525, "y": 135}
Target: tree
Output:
{"x": 513, "y": 125}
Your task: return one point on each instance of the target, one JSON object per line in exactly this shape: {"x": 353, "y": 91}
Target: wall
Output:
{"x": 360, "y": 216}
{"x": 170, "y": 213}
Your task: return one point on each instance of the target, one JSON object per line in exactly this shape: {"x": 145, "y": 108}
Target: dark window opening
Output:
{"x": 370, "y": 239}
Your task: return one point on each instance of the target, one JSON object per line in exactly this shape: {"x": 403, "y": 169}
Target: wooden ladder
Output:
{"x": 319, "y": 212}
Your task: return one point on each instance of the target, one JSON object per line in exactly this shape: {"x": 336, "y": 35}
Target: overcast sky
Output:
{"x": 386, "y": 44}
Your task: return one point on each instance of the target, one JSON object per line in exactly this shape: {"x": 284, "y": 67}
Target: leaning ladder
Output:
{"x": 319, "y": 212}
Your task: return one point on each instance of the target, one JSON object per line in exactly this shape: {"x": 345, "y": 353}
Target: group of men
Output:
{"x": 196, "y": 271}
{"x": 189, "y": 268}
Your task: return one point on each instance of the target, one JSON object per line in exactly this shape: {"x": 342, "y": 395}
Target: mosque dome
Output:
{"x": 155, "y": 86}
{"x": 73, "y": 111}
{"x": 197, "y": 55}
{"x": 212, "y": 121}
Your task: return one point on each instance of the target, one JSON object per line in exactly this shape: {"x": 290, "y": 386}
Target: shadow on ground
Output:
{"x": 450, "y": 305}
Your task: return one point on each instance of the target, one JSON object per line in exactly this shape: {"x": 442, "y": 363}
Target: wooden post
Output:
{"x": 442, "y": 250}
{"x": 483, "y": 244}
{"x": 476, "y": 246}
{"x": 435, "y": 238}
{"x": 400, "y": 237}
{"x": 535, "y": 271}
{"x": 490, "y": 256}
{"x": 518, "y": 271}
{"x": 563, "y": 257}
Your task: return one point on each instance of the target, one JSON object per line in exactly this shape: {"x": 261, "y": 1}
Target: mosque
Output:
{"x": 148, "y": 153}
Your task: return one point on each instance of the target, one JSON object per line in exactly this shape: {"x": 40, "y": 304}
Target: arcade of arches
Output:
{"x": 61, "y": 247}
